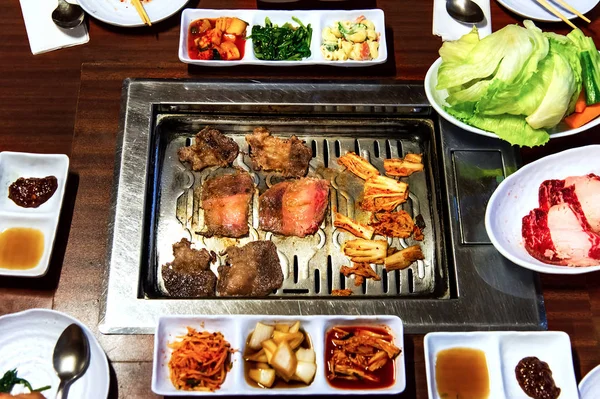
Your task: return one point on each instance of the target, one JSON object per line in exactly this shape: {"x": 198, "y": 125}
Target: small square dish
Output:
{"x": 490, "y": 360}
{"x": 27, "y": 233}
{"x": 279, "y": 355}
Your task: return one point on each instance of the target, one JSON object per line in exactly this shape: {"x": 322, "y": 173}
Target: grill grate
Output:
{"x": 311, "y": 265}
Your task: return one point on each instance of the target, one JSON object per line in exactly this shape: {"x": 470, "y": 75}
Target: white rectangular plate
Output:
{"x": 44, "y": 218}
{"x": 317, "y": 19}
{"x": 237, "y": 328}
{"x": 503, "y": 350}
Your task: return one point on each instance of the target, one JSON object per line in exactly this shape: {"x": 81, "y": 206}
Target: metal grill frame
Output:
{"x": 487, "y": 292}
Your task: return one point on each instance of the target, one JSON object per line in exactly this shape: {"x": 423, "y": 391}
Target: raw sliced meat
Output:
{"x": 587, "y": 190}
{"x": 294, "y": 207}
{"x": 189, "y": 274}
{"x": 288, "y": 156}
{"x": 583, "y": 192}
{"x": 226, "y": 202}
{"x": 252, "y": 270}
{"x": 211, "y": 148}
{"x": 559, "y": 236}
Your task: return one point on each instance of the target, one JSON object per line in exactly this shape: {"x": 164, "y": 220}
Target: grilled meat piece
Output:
{"x": 189, "y": 274}
{"x": 288, "y": 156}
{"x": 294, "y": 207}
{"x": 226, "y": 202}
{"x": 252, "y": 270}
{"x": 212, "y": 148}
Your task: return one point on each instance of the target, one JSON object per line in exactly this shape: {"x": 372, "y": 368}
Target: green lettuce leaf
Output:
{"x": 512, "y": 128}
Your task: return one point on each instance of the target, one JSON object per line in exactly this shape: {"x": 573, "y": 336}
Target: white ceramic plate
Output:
{"x": 590, "y": 385}
{"x": 317, "y": 19}
{"x": 44, "y": 218}
{"x": 517, "y": 195}
{"x": 503, "y": 350}
{"x": 532, "y": 10}
{"x": 27, "y": 341}
{"x": 437, "y": 100}
{"x": 237, "y": 328}
{"x": 118, "y": 13}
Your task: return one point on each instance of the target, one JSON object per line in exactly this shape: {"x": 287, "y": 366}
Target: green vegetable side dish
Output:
{"x": 10, "y": 379}
{"x": 281, "y": 43}
{"x": 518, "y": 83}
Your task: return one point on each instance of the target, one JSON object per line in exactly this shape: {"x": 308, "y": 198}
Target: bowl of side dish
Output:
{"x": 532, "y": 216}
{"x": 357, "y": 38}
{"x": 276, "y": 355}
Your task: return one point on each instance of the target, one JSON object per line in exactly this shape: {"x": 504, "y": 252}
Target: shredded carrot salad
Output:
{"x": 200, "y": 361}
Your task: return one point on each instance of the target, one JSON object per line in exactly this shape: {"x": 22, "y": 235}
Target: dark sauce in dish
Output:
{"x": 535, "y": 379}
{"x": 386, "y": 374}
{"x": 32, "y": 192}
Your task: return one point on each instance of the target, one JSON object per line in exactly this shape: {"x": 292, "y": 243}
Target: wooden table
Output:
{"x": 68, "y": 101}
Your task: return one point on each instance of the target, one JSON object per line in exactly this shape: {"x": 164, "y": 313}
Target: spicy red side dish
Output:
{"x": 217, "y": 39}
{"x": 360, "y": 357}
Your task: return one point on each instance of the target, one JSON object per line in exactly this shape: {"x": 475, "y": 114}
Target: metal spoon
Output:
{"x": 71, "y": 358}
{"x": 67, "y": 15}
{"x": 465, "y": 11}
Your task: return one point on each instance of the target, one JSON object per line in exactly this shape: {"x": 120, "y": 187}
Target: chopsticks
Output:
{"x": 140, "y": 9}
{"x": 554, "y": 11}
{"x": 574, "y": 11}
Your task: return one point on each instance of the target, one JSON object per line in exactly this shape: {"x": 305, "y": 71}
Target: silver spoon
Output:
{"x": 67, "y": 15}
{"x": 71, "y": 358}
{"x": 465, "y": 11}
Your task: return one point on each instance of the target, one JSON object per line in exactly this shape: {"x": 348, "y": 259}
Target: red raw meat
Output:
{"x": 294, "y": 207}
{"x": 563, "y": 230}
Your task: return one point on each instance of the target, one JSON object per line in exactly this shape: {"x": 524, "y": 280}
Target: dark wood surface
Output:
{"x": 68, "y": 101}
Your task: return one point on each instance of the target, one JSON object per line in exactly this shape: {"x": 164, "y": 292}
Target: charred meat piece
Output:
{"x": 226, "y": 201}
{"x": 294, "y": 207}
{"x": 212, "y": 148}
{"x": 189, "y": 274}
{"x": 288, "y": 156}
{"x": 252, "y": 270}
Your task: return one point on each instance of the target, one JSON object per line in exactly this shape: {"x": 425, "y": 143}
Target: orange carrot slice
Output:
{"x": 581, "y": 103}
{"x": 576, "y": 120}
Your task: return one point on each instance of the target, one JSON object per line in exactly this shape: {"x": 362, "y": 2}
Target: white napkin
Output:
{"x": 450, "y": 29}
{"x": 43, "y": 33}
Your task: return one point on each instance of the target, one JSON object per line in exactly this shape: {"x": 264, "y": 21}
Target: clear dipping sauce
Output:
{"x": 21, "y": 248}
{"x": 462, "y": 373}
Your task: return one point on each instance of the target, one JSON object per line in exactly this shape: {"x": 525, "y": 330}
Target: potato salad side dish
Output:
{"x": 350, "y": 40}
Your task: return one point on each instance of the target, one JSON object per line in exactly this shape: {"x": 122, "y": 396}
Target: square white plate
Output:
{"x": 318, "y": 20}
{"x": 237, "y": 328}
{"x": 503, "y": 350}
{"x": 45, "y": 218}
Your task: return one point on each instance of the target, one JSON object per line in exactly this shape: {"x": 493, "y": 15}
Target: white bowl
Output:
{"x": 437, "y": 100}
{"x": 517, "y": 195}
{"x": 123, "y": 13}
{"x": 27, "y": 341}
{"x": 590, "y": 385}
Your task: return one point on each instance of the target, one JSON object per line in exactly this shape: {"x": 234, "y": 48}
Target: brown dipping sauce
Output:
{"x": 462, "y": 373}
{"x": 535, "y": 379}
{"x": 21, "y": 248}
{"x": 32, "y": 192}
